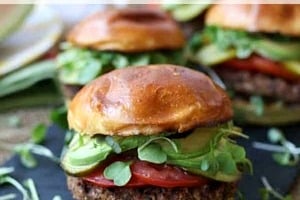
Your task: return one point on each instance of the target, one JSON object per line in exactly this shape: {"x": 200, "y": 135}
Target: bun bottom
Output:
{"x": 244, "y": 113}
{"x": 87, "y": 191}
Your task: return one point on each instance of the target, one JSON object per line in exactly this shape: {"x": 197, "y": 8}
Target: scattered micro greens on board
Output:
{"x": 286, "y": 153}
{"x": 33, "y": 146}
{"x": 268, "y": 192}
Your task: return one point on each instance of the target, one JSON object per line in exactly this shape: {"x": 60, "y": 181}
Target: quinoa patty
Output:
{"x": 249, "y": 83}
{"x": 83, "y": 190}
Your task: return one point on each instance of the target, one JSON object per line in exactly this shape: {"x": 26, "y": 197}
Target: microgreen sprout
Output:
{"x": 8, "y": 197}
{"x": 268, "y": 191}
{"x": 258, "y": 105}
{"x": 57, "y": 197}
{"x": 6, "y": 170}
{"x": 284, "y": 154}
{"x": 27, "y": 189}
{"x": 26, "y": 150}
{"x": 32, "y": 189}
{"x": 119, "y": 172}
{"x": 38, "y": 134}
{"x": 6, "y": 179}
{"x": 59, "y": 117}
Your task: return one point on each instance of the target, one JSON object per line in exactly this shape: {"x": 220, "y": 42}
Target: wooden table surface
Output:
{"x": 16, "y": 126}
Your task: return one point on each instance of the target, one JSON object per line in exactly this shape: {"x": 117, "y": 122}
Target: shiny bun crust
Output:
{"x": 269, "y": 18}
{"x": 148, "y": 100}
{"x": 128, "y": 30}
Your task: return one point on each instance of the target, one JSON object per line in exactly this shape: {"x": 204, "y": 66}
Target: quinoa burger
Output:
{"x": 117, "y": 38}
{"x": 255, "y": 49}
{"x": 153, "y": 132}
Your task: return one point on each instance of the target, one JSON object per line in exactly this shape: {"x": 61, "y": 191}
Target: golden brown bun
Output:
{"x": 269, "y": 18}
{"x": 148, "y": 100}
{"x": 128, "y": 30}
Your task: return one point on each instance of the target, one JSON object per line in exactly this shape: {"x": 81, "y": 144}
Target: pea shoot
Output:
{"x": 286, "y": 153}
{"x": 27, "y": 188}
{"x": 268, "y": 192}
{"x": 33, "y": 146}
{"x": 258, "y": 105}
{"x": 6, "y": 179}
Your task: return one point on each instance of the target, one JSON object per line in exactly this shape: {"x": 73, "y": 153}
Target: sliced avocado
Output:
{"x": 279, "y": 51}
{"x": 194, "y": 145}
{"x": 211, "y": 55}
{"x": 219, "y": 176}
{"x": 197, "y": 140}
{"x": 12, "y": 17}
{"x": 207, "y": 152}
{"x": 89, "y": 153}
{"x": 186, "y": 12}
{"x": 292, "y": 66}
{"x": 83, "y": 159}
{"x": 274, "y": 114}
{"x": 193, "y": 165}
{"x": 76, "y": 170}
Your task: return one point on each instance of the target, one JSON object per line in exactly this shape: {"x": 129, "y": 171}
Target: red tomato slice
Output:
{"x": 263, "y": 65}
{"x": 145, "y": 173}
{"x": 165, "y": 175}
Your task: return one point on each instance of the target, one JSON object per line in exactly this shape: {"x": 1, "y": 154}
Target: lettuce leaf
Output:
{"x": 80, "y": 66}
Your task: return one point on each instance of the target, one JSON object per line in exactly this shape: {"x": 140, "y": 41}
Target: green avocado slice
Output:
{"x": 212, "y": 55}
{"x": 219, "y": 176}
{"x": 75, "y": 169}
{"x": 193, "y": 145}
{"x": 274, "y": 114}
{"x": 90, "y": 153}
{"x": 278, "y": 51}
{"x": 193, "y": 166}
{"x": 85, "y": 158}
{"x": 186, "y": 12}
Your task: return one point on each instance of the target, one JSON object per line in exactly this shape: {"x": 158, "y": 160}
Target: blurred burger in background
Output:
{"x": 255, "y": 49}
{"x": 26, "y": 59}
{"x": 114, "y": 39}
{"x": 153, "y": 132}
{"x": 190, "y": 16}
{"x": 28, "y": 36}
{"x": 12, "y": 18}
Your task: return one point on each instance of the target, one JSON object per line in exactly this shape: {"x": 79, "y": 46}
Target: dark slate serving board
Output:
{"x": 48, "y": 176}
{"x": 280, "y": 177}
{"x": 50, "y": 179}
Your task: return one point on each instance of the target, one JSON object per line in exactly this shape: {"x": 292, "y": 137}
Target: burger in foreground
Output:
{"x": 153, "y": 132}
{"x": 117, "y": 38}
{"x": 256, "y": 51}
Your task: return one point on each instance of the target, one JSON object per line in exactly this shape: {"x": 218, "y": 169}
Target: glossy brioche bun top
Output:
{"x": 148, "y": 100}
{"x": 269, "y": 18}
{"x": 128, "y": 30}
